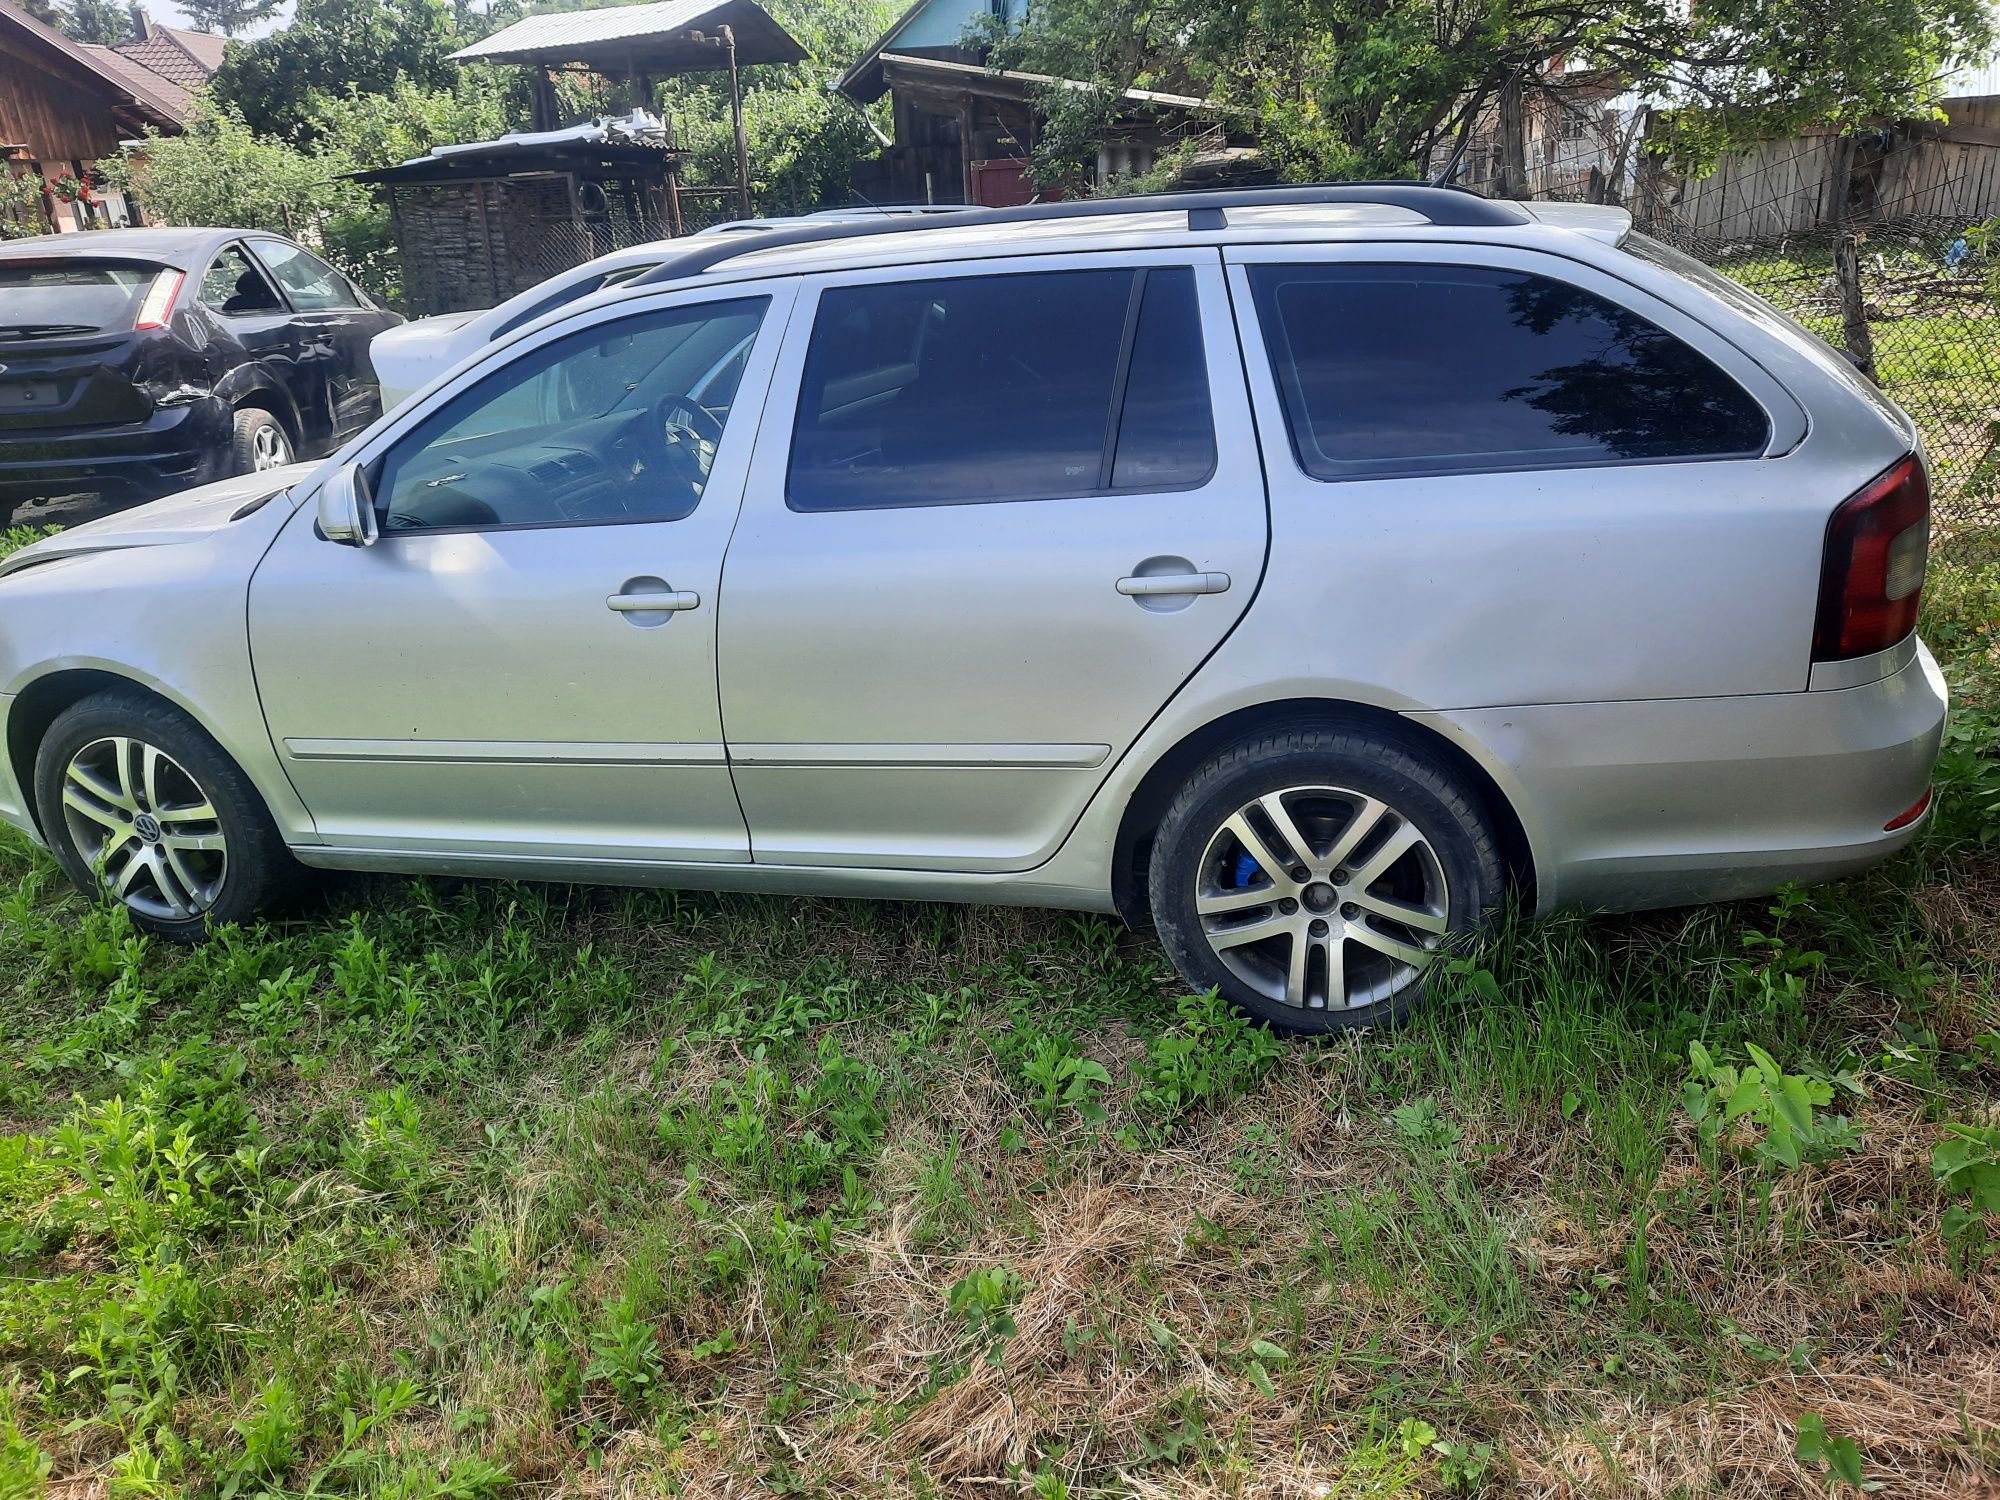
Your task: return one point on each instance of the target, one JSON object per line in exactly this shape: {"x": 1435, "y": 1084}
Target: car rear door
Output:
{"x": 335, "y": 324}
{"x": 999, "y": 515}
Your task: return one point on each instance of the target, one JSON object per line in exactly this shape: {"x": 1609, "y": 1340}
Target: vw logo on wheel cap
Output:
{"x": 147, "y": 827}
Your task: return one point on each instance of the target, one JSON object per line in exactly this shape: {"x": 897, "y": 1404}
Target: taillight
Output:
{"x": 1876, "y": 547}
{"x": 159, "y": 300}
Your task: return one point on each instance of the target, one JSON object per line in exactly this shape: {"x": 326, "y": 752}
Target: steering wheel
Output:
{"x": 688, "y": 436}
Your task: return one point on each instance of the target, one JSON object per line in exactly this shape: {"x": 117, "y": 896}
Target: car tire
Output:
{"x": 258, "y": 441}
{"x": 1400, "y": 862}
{"x": 131, "y": 785}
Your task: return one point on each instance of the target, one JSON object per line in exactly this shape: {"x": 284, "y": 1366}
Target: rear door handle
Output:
{"x": 668, "y": 603}
{"x": 1154, "y": 584}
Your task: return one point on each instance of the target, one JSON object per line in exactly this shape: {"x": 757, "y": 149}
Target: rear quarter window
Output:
{"x": 1400, "y": 370}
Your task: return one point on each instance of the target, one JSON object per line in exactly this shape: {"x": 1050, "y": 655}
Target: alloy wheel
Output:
{"x": 137, "y": 817}
{"x": 269, "y": 448}
{"x": 1322, "y": 898}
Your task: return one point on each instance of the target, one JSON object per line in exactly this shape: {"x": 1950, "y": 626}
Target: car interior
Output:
{"x": 612, "y": 424}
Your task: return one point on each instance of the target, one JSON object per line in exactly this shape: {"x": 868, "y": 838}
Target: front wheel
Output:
{"x": 140, "y": 804}
{"x": 1314, "y": 876}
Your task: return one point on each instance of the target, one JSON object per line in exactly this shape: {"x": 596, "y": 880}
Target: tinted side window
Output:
{"x": 618, "y": 422}
{"x": 1034, "y": 386}
{"x": 233, "y": 286}
{"x": 310, "y": 282}
{"x": 1425, "y": 369}
{"x": 1166, "y": 435}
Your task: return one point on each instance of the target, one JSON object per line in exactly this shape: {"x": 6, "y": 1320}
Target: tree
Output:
{"x": 229, "y": 17}
{"x": 1361, "y": 88}
{"x": 217, "y": 171}
{"x": 44, "y": 11}
{"x": 105, "y": 22}
{"x": 331, "y": 49}
{"x": 803, "y": 139}
{"x": 377, "y": 130}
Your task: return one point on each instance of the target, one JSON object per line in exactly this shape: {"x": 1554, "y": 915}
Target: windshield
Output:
{"x": 39, "y": 298}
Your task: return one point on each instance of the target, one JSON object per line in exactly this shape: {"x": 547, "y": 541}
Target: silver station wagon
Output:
{"x": 1296, "y": 569}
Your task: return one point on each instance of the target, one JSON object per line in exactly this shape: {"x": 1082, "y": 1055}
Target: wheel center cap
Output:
{"x": 147, "y": 827}
{"x": 1319, "y": 897}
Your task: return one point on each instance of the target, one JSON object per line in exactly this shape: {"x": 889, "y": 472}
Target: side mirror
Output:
{"x": 347, "y": 508}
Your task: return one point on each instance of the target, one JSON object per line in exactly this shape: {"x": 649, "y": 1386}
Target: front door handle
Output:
{"x": 1152, "y": 585}
{"x": 651, "y": 596}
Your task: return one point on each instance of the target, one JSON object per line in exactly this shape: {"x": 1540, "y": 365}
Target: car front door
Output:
{"x": 522, "y": 667}
{"x": 335, "y": 325}
{"x": 1017, "y": 508}
{"x": 241, "y": 294}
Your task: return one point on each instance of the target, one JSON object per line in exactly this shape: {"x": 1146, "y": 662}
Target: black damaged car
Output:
{"x": 138, "y": 362}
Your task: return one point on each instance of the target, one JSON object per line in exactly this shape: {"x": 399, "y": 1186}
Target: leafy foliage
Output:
{"x": 1968, "y": 1162}
{"x": 221, "y": 171}
{"x": 103, "y": 22}
{"x": 802, "y": 138}
{"x": 1839, "y": 1455}
{"x": 1210, "y": 1053}
{"x": 21, "y": 205}
{"x": 331, "y": 49}
{"x": 1785, "y": 1107}
{"x": 228, "y": 17}
{"x": 984, "y": 1300}
{"x": 1360, "y": 88}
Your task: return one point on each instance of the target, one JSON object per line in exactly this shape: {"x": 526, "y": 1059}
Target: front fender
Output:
{"x": 171, "y": 619}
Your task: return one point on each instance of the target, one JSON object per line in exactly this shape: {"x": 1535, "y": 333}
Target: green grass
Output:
{"x": 478, "y": 1189}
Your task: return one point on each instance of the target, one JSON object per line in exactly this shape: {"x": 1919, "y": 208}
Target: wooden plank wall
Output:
{"x": 1777, "y": 188}
{"x": 59, "y": 120}
{"x": 1785, "y": 187}
{"x": 1951, "y": 174}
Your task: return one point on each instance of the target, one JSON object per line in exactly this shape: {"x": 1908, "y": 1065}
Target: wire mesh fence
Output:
{"x": 1912, "y": 302}
{"x": 1887, "y": 246}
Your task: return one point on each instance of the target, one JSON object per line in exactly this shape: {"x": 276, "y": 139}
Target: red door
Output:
{"x": 1003, "y": 183}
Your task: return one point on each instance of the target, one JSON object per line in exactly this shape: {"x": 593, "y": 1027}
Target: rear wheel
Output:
{"x": 1315, "y": 876}
{"x": 258, "y": 442}
{"x": 142, "y": 806}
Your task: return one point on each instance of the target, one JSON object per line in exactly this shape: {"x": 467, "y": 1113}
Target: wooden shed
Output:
{"x": 65, "y": 105}
{"x": 476, "y": 224}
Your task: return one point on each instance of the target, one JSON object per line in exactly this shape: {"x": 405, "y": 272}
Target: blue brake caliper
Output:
{"x": 1246, "y": 870}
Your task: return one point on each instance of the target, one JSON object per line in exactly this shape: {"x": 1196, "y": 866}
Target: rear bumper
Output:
{"x": 176, "y": 448}
{"x": 13, "y": 797}
{"x": 1649, "y": 804}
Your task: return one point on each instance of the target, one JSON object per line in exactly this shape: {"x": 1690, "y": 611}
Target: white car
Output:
{"x": 410, "y": 356}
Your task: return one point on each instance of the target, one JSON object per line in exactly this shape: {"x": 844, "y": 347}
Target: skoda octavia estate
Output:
{"x": 1298, "y": 569}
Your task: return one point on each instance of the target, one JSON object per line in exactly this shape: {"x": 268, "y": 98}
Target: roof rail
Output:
{"x": 1444, "y": 206}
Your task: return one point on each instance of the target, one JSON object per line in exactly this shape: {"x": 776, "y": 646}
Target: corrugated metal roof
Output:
{"x": 621, "y": 33}
{"x": 1975, "y": 80}
{"x": 946, "y": 69}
